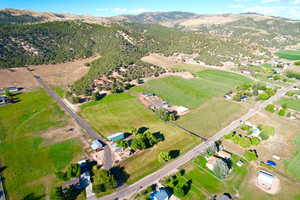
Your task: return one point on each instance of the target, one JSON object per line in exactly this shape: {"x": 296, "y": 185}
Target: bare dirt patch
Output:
{"x": 18, "y": 77}
{"x": 160, "y": 60}
{"x": 63, "y": 74}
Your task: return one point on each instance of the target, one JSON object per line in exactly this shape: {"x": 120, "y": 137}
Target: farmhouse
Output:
{"x": 117, "y": 136}
{"x": 265, "y": 179}
{"x": 211, "y": 162}
{"x": 12, "y": 89}
{"x": 96, "y": 145}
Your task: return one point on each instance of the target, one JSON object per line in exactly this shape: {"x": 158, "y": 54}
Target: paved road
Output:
{"x": 170, "y": 167}
{"x": 108, "y": 161}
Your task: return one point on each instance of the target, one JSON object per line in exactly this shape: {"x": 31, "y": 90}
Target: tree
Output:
{"x": 164, "y": 156}
{"x": 251, "y": 155}
{"x": 254, "y": 141}
{"x": 61, "y": 176}
{"x": 73, "y": 170}
{"x": 270, "y": 108}
{"x": 221, "y": 169}
{"x": 179, "y": 190}
{"x": 57, "y": 194}
{"x": 96, "y": 96}
{"x": 263, "y": 96}
{"x": 123, "y": 144}
{"x": 213, "y": 148}
{"x": 281, "y": 112}
{"x": 8, "y": 94}
{"x": 103, "y": 180}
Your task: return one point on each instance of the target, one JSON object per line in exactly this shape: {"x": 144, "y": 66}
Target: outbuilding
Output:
{"x": 265, "y": 179}
{"x": 117, "y": 136}
{"x": 160, "y": 194}
{"x": 96, "y": 145}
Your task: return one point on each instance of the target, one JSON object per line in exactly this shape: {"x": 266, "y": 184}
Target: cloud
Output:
{"x": 238, "y": 6}
{"x": 123, "y": 10}
{"x": 292, "y": 12}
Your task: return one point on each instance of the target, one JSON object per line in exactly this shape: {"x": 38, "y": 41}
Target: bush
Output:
{"x": 270, "y": 108}
{"x": 164, "y": 156}
{"x": 263, "y": 96}
{"x": 250, "y": 155}
{"x": 297, "y": 63}
{"x": 254, "y": 141}
{"x": 245, "y": 142}
{"x": 282, "y": 112}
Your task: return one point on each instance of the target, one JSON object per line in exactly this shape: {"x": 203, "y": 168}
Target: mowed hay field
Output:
{"x": 28, "y": 159}
{"x": 292, "y": 165}
{"x": 291, "y": 103}
{"x": 192, "y": 93}
{"x": 121, "y": 113}
{"x": 289, "y": 54}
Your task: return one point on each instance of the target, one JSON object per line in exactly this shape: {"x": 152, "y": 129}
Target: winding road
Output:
{"x": 169, "y": 168}
{"x": 108, "y": 159}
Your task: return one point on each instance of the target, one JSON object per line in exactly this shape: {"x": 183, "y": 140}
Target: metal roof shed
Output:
{"x": 96, "y": 144}
{"x": 116, "y": 136}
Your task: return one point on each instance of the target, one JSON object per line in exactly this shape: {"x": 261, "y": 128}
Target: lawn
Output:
{"x": 291, "y": 103}
{"x": 292, "y": 165}
{"x": 121, "y": 113}
{"x": 192, "y": 93}
{"x": 289, "y": 54}
{"x": 211, "y": 117}
{"x": 28, "y": 161}
{"x": 204, "y": 183}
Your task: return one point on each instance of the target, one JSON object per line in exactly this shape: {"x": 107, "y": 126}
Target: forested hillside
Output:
{"x": 121, "y": 45}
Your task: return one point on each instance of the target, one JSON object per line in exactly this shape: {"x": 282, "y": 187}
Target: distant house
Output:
{"x": 224, "y": 154}
{"x": 160, "y": 194}
{"x": 225, "y": 197}
{"x": 12, "y": 89}
{"x": 4, "y": 100}
{"x": 240, "y": 163}
{"x": 265, "y": 179}
{"x": 211, "y": 162}
{"x": 96, "y": 145}
{"x": 255, "y": 132}
{"x": 117, "y": 136}
{"x": 244, "y": 98}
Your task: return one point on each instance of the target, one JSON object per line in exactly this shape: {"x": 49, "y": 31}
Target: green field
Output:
{"x": 292, "y": 165}
{"x": 211, "y": 116}
{"x": 291, "y": 103}
{"x": 289, "y": 54}
{"x": 194, "y": 92}
{"x": 29, "y": 162}
{"x": 121, "y": 113}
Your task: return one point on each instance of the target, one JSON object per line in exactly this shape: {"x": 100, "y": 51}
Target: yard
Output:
{"x": 30, "y": 160}
{"x": 121, "y": 113}
{"x": 205, "y": 184}
{"x": 291, "y": 103}
{"x": 192, "y": 93}
{"x": 289, "y": 54}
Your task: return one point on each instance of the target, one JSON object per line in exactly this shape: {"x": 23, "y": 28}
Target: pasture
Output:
{"x": 289, "y": 54}
{"x": 121, "y": 113}
{"x": 29, "y": 160}
{"x": 292, "y": 165}
{"x": 211, "y": 117}
{"x": 291, "y": 103}
{"x": 192, "y": 93}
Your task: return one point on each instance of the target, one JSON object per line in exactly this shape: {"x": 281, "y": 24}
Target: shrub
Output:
{"x": 270, "y": 108}
{"x": 250, "y": 155}
{"x": 263, "y": 96}
{"x": 244, "y": 142}
{"x": 297, "y": 63}
{"x": 254, "y": 141}
{"x": 281, "y": 112}
{"x": 245, "y": 127}
{"x": 164, "y": 156}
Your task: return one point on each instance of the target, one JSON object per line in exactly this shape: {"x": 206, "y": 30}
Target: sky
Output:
{"x": 105, "y": 8}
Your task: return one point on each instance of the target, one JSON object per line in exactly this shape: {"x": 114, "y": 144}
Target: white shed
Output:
{"x": 265, "y": 179}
